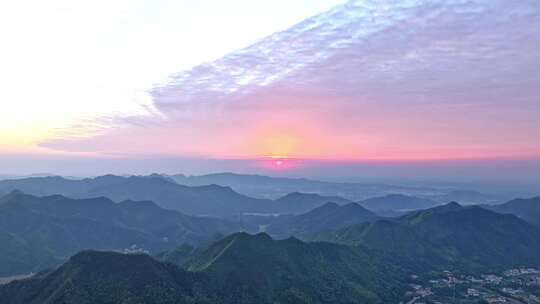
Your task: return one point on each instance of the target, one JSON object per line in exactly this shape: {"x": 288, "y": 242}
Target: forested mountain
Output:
{"x": 238, "y": 269}
{"x": 353, "y": 256}
{"x": 92, "y": 277}
{"x": 527, "y": 209}
{"x": 372, "y": 264}
{"x": 308, "y": 201}
{"x": 39, "y": 231}
{"x": 292, "y": 271}
{"x": 363, "y": 263}
{"x": 447, "y": 236}
{"x": 42, "y": 231}
{"x": 326, "y": 217}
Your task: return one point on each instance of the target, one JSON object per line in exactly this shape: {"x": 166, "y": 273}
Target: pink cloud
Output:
{"x": 366, "y": 80}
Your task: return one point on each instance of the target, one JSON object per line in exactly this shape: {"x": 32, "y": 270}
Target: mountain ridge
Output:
{"x": 207, "y": 200}
{"x": 527, "y": 209}
{"x": 450, "y": 235}
{"x": 55, "y": 227}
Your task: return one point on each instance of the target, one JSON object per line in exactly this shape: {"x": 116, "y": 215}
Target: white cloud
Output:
{"x": 391, "y": 78}
{"x": 66, "y": 60}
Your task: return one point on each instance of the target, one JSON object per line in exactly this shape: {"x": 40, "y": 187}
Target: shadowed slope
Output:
{"x": 240, "y": 269}
{"x": 448, "y": 236}
{"x": 527, "y": 209}
{"x": 55, "y": 227}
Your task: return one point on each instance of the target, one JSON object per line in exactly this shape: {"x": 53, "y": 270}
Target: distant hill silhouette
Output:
{"x": 276, "y": 187}
{"x": 302, "y": 202}
{"x": 209, "y": 200}
{"x": 466, "y": 197}
{"x": 527, "y": 209}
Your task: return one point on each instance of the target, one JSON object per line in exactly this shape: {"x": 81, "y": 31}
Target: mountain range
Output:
{"x": 447, "y": 237}
{"x": 276, "y": 187}
{"x": 237, "y": 269}
{"x": 207, "y": 200}
{"x": 337, "y": 252}
{"x": 38, "y": 232}
{"x": 205, "y": 197}
{"x": 326, "y": 217}
{"x": 363, "y": 263}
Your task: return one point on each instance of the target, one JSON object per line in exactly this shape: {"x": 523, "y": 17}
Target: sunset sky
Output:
{"x": 284, "y": 83}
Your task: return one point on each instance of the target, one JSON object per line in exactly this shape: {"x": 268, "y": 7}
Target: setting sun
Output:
{"x": 279, "y": 163}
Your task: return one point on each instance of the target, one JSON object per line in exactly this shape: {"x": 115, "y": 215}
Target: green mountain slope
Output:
{"x": 467, "y": 238}
{"x": 239, "y": 269}
{"x": 104, "y": 277}
{"x": 527, "y": 209}
{"x": 54, "y": 227}
{"x": 326, "y": 217}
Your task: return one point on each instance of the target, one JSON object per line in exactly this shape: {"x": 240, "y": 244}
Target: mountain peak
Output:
{"x": 244, "y": 236}
{"x": 108, "y": 176}
{"x": 215, "y": 187}
{"x": 329, "y": 205}
{"x": 452, "y": 206}
{"x": 297, "y": 194}
{"x": 422, "y": 215}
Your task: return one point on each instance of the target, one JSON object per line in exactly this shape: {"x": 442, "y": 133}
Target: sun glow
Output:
{"x": 280, "y": 145}
{"x": 279, "y": 163}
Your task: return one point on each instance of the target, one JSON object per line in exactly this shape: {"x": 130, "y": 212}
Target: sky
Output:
{"x": 278, "y": 86}
{"x": 67, "y": 62}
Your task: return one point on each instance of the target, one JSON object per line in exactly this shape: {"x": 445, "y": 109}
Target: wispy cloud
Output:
{"x": 367, "y": 79}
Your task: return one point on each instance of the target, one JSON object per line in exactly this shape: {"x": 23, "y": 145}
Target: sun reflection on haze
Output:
{"x": 279, "y": 163}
